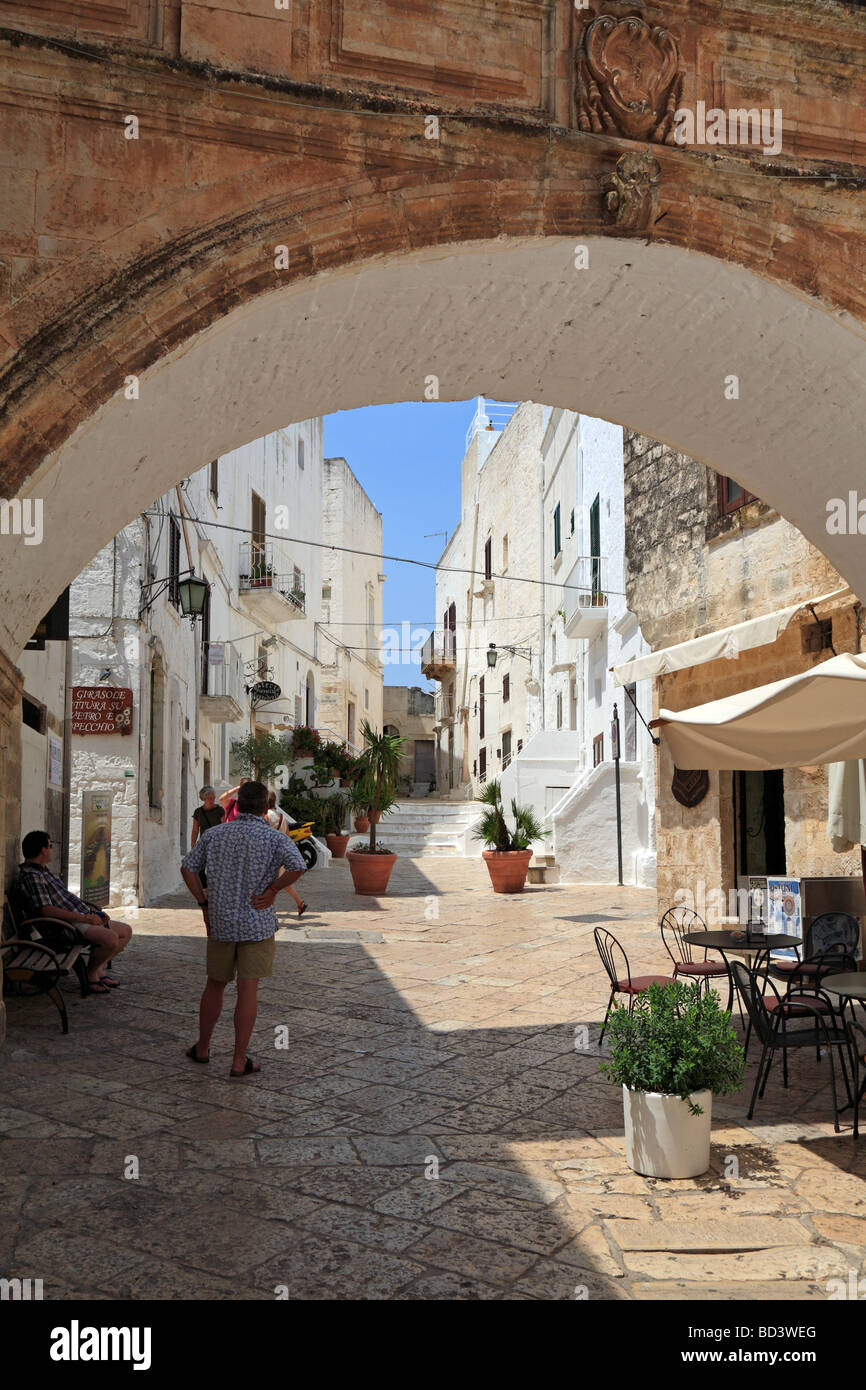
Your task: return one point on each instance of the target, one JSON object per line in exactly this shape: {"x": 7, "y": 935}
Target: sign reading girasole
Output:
{"x": 101, "y": 709}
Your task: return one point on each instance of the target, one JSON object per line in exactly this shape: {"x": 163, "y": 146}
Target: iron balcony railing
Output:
{"x": 440, "y": 649}
{"x": 264, "y": 565}
{"x": 222, "y": 670}
{"x": 487, "y": 413}
{"x": 586, "y": 585}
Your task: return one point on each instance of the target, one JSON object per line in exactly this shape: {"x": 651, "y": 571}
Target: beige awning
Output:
{"x": 818, "y": 716}
{"x": 727, "y": 642}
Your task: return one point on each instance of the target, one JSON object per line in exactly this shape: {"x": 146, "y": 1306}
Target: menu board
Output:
{"x": 784, "y": 907}
{"x": 101, "y": 709}
{"x": 96, "y": 848}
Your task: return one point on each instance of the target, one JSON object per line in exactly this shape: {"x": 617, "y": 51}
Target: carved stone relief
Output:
{"x": 628, "y": 79}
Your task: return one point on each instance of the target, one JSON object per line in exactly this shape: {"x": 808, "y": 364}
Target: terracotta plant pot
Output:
{"x": 337, "y": 845}
{"x": 507, "y": 868}
{"x": 362, "y": 824}
{"x": 370, "y": 872}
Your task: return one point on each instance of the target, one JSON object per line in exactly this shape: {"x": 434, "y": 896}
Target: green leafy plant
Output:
{"x": 332, "y": 760}
{"x": 304, "y": 808}
{"x": 677, "y": 1040}
{"x": 379, "y": 765}
{"x": 259, "y": 756}
{"x": 360, "y": 795}
{"x": 335, "y": 813}
{"x": 493, "y": 828}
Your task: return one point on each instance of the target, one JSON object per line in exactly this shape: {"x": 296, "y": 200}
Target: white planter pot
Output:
{"x": 663, "y": 1139}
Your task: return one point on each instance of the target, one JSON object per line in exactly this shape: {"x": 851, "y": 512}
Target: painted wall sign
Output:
{"x": 101, "y": 709}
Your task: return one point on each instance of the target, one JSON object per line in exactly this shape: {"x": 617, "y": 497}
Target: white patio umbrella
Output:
{"x": 818, "y": 716}
{"x": 846, "y": 815}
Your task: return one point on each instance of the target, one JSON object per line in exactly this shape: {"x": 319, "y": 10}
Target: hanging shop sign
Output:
{"x": 690, "y": 788}
{"x": 263, "y": 692}
{"x": 101, "y": 709}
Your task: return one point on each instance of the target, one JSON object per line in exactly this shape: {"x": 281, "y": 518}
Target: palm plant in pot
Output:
{"x": 335, "y": 815}
{"x": 508, "y": 851}
{"x": 371, "y": 864}
{"x": 360, "y": 797}
{"x": 671, "y": 1053}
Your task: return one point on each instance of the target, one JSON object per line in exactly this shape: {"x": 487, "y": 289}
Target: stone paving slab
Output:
{"x": 431, "y": 1132}
{"x": 740, "y": 1233}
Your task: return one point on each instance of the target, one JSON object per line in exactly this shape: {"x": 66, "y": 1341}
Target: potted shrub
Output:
{"x": 360, "y": 797}
{"x": 371, "y": 864}
{"x": 335, "y": 815}
{"x": 508, "y": 851}
{"x": 671, "y": 1053}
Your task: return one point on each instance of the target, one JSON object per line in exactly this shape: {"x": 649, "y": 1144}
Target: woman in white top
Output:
{"x": 280, "y": 821}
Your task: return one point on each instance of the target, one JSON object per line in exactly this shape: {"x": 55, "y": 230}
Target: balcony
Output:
{"x": 585, "y": 602}
{"x": 443, "y": 710}
{"x": 222, "y": 683}
{"x": 439, "y": 655}
{"x": 272, "y": 587}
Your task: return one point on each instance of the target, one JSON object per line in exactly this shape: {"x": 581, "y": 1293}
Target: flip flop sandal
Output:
{"x": 250, "y": 1069}
{"x": 98, "y": 987}
{"x": 302, "y": 909}
{"x": 193, "y": 1057}
{"x": 111, "y": 984}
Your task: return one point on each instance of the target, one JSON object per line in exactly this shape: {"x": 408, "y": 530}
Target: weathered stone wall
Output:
{"x": 411, "y": 711}
{"x": 688, "y": 571}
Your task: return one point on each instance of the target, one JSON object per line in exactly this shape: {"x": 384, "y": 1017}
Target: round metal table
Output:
{"x": 725, "y": 943}
{"x": 852, "y": 984}
{"x": 849, "y": 985}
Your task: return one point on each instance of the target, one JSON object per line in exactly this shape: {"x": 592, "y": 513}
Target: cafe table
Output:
{"x": 849, "y": 985}
{"x": 733, "y": 942}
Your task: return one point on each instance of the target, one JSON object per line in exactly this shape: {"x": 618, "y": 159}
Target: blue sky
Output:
{"x": 407, "y": 458}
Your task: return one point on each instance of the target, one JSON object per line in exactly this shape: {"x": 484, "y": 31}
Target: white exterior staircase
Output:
{"x": 421, "y": 828}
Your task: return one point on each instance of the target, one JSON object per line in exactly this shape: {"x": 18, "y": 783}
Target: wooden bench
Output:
{"x": 34, "y": 967}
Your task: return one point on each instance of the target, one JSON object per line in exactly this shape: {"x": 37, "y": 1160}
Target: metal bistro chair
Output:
{"x": 607, "y": 946}
{"x": 771, "y": 1030}
{"x": 804, "y": 980}
{"x": 674, "y": 926}
{"x": 832, "y": 931}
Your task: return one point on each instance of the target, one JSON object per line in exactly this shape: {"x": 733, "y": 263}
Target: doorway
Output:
{"x": 759, "y": 823}
{"x": 425, "y": 760}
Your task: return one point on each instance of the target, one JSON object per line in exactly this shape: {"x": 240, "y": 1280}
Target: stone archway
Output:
{"x": 648, "y": 339}
{"x": 286, "y": 233}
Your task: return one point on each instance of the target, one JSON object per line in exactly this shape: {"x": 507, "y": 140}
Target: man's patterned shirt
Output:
{"x": 241, "y": 857}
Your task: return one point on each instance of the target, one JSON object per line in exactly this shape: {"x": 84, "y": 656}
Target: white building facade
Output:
{"x": 350, "y": 645}
{"x": 543, "y": 528}
{"x": 250, "y": 523}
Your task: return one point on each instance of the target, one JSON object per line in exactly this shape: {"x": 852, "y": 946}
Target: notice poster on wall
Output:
{"x": 784, "y": 907}
{"x": 96, "y": 848}
{"x": 55, "y": 762}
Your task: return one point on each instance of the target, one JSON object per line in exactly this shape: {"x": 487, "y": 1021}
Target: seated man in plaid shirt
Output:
{"x": 46, "y": 895}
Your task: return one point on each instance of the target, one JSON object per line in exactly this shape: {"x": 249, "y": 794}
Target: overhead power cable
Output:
{"x": 283, "y": 539}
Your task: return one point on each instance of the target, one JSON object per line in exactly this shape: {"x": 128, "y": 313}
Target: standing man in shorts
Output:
{"x": 247, "y": 864}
